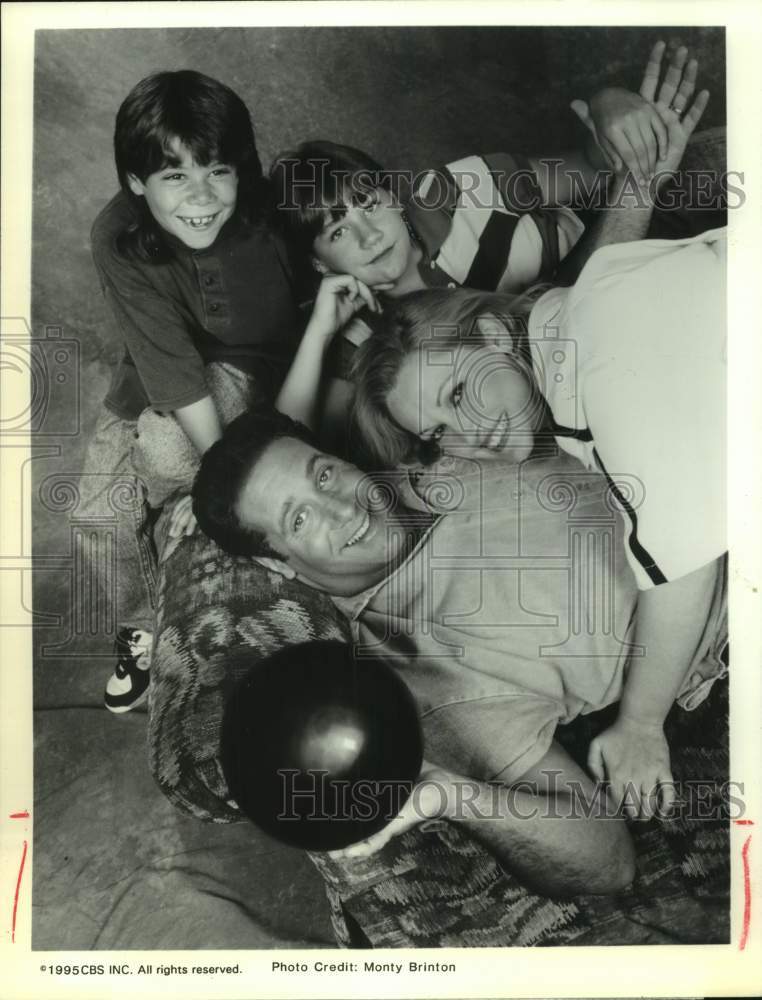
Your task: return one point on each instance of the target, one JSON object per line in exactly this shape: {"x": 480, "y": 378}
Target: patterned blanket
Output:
{"x": 435, "y": 886}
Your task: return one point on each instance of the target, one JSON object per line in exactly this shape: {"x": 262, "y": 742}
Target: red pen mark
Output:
{"x": 23, "y": 815}
{"x": 746, "y": 894}
{"x": 744, "y": 822}
{"x": 16, "y": 897}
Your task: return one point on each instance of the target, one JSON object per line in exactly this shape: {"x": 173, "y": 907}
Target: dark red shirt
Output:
{"x": 234, "y": 302}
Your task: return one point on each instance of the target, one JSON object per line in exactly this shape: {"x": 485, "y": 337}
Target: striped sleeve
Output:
{"x": 480, "y": 221}
{"x": 558, "y": 228}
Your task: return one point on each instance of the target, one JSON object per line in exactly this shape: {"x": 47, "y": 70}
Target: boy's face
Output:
{"x": 190, "y": 201}
{"x": 368, "y": 240}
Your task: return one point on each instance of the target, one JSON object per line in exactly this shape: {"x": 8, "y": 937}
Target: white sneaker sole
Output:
{"x": 121, "y": 709}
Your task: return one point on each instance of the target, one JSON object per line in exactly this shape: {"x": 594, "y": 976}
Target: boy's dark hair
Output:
{"x": 224, "y": 470}
{"x": 315, "y": 179}
{"x": 207, "y": 117}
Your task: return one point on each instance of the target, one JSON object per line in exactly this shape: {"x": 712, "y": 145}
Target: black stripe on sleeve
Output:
{"x": 516, "y": 181}
{"x": 551, "y": 253}
{"x": 491, "y": 260}
{"x": 645, "y": 559}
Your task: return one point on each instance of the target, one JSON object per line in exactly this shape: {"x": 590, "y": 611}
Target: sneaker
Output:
{"x": 128, "y": 685}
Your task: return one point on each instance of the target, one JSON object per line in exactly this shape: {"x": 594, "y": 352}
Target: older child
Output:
{"x": 192, "y": 276}
{"x": 627, "y": 371}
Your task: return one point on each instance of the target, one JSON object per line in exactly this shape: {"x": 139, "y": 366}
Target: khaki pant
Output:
{"x": 114, "y": 511}
{"x": 132, "y": 467}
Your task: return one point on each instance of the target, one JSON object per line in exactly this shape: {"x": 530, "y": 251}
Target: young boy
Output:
{"x": 192, "y": 276}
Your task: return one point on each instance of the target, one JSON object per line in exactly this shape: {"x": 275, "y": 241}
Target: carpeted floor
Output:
{"x": 116, "y": 866}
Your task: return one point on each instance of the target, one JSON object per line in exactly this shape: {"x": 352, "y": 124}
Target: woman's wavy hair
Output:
{"x": 209, "y": 119}
{"x": 317, "y": 179}
{"x": 436, "y": 316}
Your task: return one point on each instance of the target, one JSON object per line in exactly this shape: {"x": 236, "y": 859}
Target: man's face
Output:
{"x": 368, "y": 240}
{"x": 189, "y": 201}
{"x": 310, "y": 508}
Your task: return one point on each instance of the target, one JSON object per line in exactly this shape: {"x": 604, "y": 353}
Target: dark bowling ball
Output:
{"x": 321, "y": 750}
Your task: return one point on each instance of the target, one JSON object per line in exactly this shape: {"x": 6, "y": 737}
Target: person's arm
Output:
{"x": 152, "y": 328}
{"x": 340, "y": 296}
{"x": 627, "y": 218}
{"x": 630, "y": 206}
{"x": 625, "y": 131}
{"x": 533, "y": 828}
{"x": 334, "y": 423}
{"x": 201, "y": 423}
{"x": 156, "y": 335}
{"x": 633, "y": 754}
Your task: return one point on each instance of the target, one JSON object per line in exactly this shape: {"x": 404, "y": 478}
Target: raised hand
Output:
{"x": 679, "y": 129}
{"x": 679, "y": 82}
{"x": 673, "y": 99}
{"x": 632, "y": 130}
{"x": 627, "y": 129}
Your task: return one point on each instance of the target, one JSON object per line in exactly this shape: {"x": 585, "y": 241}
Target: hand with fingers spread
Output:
{"x": 431, "y": 798}
{"x": 630, "y": 129}
{"x": 634, "y": 758}
{"x": 679, "y": 130}
{"x": 182, "y": 520}
{"x": 679, "y": 82}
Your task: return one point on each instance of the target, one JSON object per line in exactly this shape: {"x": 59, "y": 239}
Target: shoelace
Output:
{"x": 127, "y": 649}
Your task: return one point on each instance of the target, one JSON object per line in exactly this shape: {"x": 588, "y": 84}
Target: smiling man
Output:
{"x": 507, "y": 614}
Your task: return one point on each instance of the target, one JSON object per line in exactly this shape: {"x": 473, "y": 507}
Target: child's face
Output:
{"x": 474, "y": 400}
{"x": 190, "y": 201}
{"x": 369, "y": 240}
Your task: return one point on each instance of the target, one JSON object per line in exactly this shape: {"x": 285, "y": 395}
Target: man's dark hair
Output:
{"x": 224, "y": 470}
{"x": 207, "y": 117}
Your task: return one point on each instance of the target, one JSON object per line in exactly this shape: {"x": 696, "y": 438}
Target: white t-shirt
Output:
{"x": 632, "y": 361}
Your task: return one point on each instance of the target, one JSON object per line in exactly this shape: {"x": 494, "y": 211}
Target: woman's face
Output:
{"x": 472, "y": 399}
{"x": 368, "y": 240}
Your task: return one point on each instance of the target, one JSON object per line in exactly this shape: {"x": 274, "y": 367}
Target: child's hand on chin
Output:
{"x": 633, "y": 756}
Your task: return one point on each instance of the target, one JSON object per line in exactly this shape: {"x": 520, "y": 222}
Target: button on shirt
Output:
{"x": 231, "y": 302}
